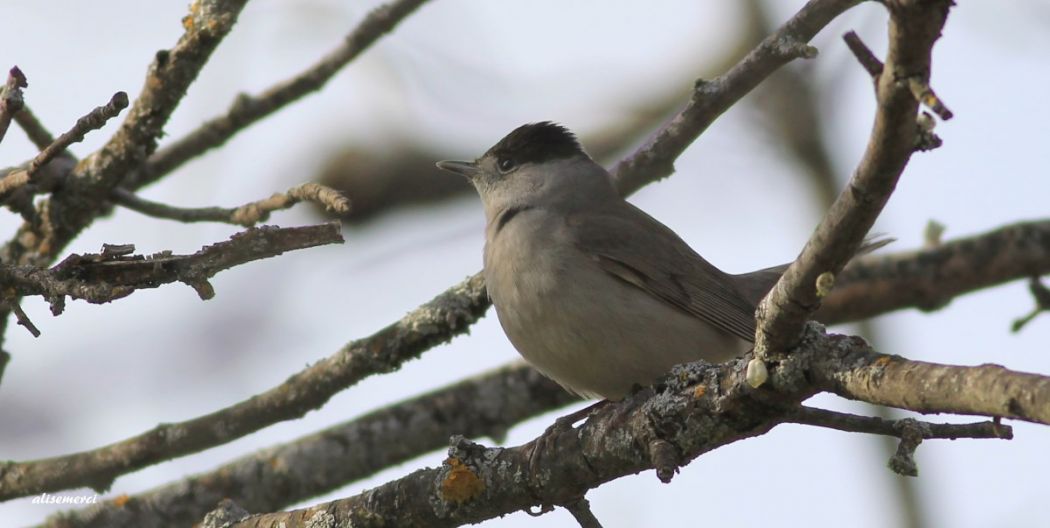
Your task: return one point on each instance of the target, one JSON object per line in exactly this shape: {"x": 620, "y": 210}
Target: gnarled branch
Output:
{"x": 914, "y": 27}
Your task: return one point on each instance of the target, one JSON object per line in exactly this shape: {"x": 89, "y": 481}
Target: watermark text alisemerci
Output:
{"x": 47, "y": 498}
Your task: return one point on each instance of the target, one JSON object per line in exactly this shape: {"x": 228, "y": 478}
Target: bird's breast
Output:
{"x": 592, "y": 333}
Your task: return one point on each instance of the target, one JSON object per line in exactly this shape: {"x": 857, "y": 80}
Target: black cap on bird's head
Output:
{"x": 531, "y": 143}
{"x": 536, "y": 143}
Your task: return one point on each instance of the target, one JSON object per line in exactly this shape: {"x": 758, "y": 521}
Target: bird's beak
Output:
{"x": 469, "y": 169}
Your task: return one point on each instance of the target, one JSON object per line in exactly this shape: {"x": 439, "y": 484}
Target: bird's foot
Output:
{"x": 549, "y": 437}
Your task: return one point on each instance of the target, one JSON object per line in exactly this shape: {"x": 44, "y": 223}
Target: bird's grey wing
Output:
{"x": 756, "y": 284}
{"x": 640, "y": 251}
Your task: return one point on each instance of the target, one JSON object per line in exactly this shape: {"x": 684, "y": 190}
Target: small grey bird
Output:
{"x": 593, "y": 292}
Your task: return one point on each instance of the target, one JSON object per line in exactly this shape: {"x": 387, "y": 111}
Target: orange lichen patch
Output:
{"x": 461, "y": 484}
{"x": 120, "y": 500}
{"x": 277, "y": 464}
{"x": 882, "y": 361}
{"x": 187, "y": 21}
{"x": 699, "y": 391}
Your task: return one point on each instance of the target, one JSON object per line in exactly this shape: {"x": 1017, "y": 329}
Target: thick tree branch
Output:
{"x": 698, "y": 408}
{"x": 888, "y": 283}
{"x": 274, "y": 478}
{"x": 930, "y": 278}
{"x": 433, "y": 323}
{"x": 985, "y": 390}
{"x": 914, "y": 27}
{"x": 473, "y": 296}
{"x": 110, "y": 275}
{"x": 247, "y": 109}
{"x": 246, "y": 215}
{"x": 710, "y": 99}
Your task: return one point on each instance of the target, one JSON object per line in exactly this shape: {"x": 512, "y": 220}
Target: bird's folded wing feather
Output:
{"x": 642, "y": 252}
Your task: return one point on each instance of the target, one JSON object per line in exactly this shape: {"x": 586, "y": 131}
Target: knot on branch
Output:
{"x": 911, "y": 433}
{"x": 664, "y": 458}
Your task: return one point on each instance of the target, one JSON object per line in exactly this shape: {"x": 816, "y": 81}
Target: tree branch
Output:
{"x": 852, "y": 423}
{"x": 274, "y": 478}
{"x": 247, "y": 109}
{"x": 986, "y": 390}
{"x": 448, "y": 314}
{"x": 888, "y": 283}
{"x": 83, "y": 197}
{"x": 914, "y": 27}
{"x": 710, "y": 99}
{"x": 246, "y": 215}
{"x": 930, "y": 278}
{"x": 698, "y": 407}
{"x": 472, "y": 296}
{"x": 110, "y": 275}
{"x": 1041, "y": 294}
{"x": 910, "y": 431}
{"x": 94, "y": 120}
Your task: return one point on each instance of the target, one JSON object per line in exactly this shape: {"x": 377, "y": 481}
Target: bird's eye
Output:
{"x": 505, "y": 165}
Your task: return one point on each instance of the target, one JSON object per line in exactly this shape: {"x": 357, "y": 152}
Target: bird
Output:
{"x": 592, "y": 291}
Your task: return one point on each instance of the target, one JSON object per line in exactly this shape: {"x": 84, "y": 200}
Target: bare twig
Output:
{"x": 246, "y": 215}
{"x": 247, "y": 109}
{"x": 922, "y": 92}
{"x": 853, "y": 423}
{"x": 910, "y": 431}
{"x": 113, "y": 274}
{"x": 1041, "y": 294}
{"x": 863, "y": 54}
{"x": 23, "y": 319}
{"x": 14, "y": 180}
{"x": 11, "y": 101}
{"x": 94, "y": 120}
{"x": 655, "y": 160}
{"x": 581, "y": 511}
{"x": 448, "y": 314}
{"x": 915, "y": 27}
